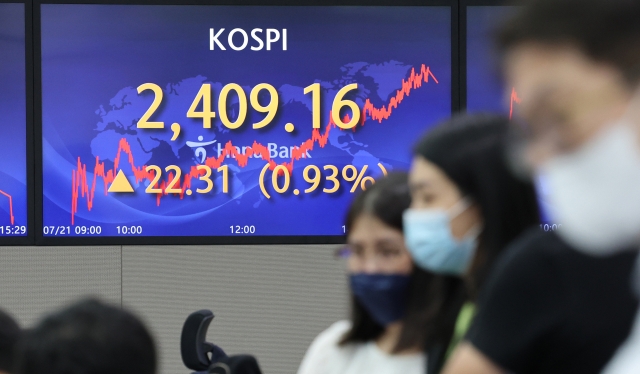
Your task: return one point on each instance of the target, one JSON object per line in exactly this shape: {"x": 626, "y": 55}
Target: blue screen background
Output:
{"x": 485, "y": 88}
{"x": 94, "y": 57}
{"x": 13, "y": 126}
{"x": 486, "y": 91}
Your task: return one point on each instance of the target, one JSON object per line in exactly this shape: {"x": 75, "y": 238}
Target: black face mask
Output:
{"x": 384, "y": 296}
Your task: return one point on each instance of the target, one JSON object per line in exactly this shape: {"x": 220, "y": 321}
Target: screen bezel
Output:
{"x": 207, "y": 240}
{"x": 29, "y": 239}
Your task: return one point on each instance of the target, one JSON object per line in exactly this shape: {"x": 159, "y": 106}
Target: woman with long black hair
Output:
{"x": 467, "y": 205}
{"x": 402, "y": 316}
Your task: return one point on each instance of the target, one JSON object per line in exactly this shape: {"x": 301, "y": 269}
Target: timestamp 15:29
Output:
{"x": 13, "y": 230}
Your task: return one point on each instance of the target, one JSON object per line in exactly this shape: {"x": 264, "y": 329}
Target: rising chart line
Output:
{"x": 10, "y": 206}
{"x": 514, "y": 99}
{"x": 80, "y": 184}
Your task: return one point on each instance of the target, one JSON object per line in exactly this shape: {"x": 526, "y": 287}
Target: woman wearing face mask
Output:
{"x": 466, "y": 205}
{"x": 398, "y": 310}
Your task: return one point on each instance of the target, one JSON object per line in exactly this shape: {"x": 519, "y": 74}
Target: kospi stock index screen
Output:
{"x": 13, "y": 111}
{"x": 223, "y": 121}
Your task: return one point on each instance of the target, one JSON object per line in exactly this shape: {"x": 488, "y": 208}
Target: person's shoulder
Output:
{"x": 533, "y": 253}
{"x": 536, "y": 244}
{"x": 326, "y": 349}
{"x": 521, "y": 290}
{"x": 335, "y": 332}
{"x": 329, "y": 339}
{"x": 537, "y": 239}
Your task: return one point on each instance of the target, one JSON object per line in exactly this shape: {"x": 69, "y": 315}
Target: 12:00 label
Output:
{"x": 243, "y": 229}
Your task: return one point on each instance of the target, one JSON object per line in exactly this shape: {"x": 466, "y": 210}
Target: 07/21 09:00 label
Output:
{"x": 69, "y": 230}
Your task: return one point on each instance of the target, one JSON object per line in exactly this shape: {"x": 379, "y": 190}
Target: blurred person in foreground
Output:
{"x": 402, "y": 316}
{"x": 576, "y": 67}
{"x": 9, "y": 336}
{"x": 88, "y": 337}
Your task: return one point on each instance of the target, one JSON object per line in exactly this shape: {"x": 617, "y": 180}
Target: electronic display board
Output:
{"x": 13, "y": 111}
{"x": 225, "y": 121}
{"x": 485, "y": 88}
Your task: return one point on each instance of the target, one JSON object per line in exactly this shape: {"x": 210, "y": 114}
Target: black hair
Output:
{"x": 9, "y": 336}
{"x": 88, "y": 337}
{"x": 471, "y": 151}
{"x": 434, "y": 300}
{"x": 607, "y": 31}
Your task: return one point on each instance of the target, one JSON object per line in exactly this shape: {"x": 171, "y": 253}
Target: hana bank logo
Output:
{"x": 275, "y": 151}
{"x": 200, "y": 151}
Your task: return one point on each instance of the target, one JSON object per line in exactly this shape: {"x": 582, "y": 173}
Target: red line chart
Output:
{"x": 514, "y": 100}
{"x": 10, "y": 206}
{"x": 83, "y": 188}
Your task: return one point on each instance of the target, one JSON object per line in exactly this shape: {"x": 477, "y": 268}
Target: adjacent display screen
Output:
{"x": 231, "y": 120}
{"x": 485, "y": 87}
{"x": 13, "y": 140}
{"x": 486, "y": 91}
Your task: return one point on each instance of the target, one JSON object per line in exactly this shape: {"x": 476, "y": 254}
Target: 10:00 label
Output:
{"x": 129, "y": 230}
{"x": 243, "y": 229}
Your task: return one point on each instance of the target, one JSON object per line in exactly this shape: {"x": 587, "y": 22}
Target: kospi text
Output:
{"x": 238, "y": 39}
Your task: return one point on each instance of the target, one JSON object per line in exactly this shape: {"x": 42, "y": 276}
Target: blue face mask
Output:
{"x": 384, "y": 296}
{"x": 427, "y": 234}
